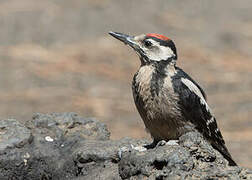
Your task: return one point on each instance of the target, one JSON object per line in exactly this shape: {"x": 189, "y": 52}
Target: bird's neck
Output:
{"x": 171, "y": 61}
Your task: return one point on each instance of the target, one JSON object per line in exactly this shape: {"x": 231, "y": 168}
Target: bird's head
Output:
{"x": 150, "y": 47}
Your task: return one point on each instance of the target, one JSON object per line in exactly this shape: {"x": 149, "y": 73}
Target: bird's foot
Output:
{"x": 145, "y": 147}
{"x": 151, "y": 146}
{"x": 161, "y": 143}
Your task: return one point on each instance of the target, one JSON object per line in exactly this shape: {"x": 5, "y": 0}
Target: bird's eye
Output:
{"x": 147, "y": 44}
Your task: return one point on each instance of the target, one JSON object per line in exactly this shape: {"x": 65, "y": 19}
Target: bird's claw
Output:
{"x": 161, "y": 143}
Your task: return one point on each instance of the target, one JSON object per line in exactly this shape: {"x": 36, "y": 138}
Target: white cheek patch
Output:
{"x": 196, "y": 90}
{"x": 157, "y": 52}
{"x": 166, "y": 52}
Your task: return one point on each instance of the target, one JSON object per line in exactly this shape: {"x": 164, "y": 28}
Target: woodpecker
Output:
{"x": 168, "y": 100}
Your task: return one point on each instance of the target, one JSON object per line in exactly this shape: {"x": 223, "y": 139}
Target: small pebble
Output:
{"x": 49, "y": 139}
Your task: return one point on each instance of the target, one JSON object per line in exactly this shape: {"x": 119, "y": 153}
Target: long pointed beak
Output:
{"x": 125, "y": 38}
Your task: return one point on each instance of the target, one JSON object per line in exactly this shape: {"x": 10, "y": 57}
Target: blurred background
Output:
{"x": 56, "y": 56}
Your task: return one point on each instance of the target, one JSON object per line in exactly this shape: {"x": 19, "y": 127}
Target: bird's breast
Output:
{"x": 156, "y": 101}
{"x": 142, "y": 82}
{"x": 153, "y": 88}
{"x": 154, "y": 93}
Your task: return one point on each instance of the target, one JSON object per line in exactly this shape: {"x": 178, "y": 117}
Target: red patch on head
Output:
{"x": 158, "y": 36}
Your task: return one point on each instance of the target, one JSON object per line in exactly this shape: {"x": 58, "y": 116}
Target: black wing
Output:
{"x": 182, "y": 73}
{"x": 195, "y": 109}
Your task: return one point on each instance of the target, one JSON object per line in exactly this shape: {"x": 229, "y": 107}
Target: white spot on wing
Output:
{"x": 217, "y": 131}
{"x": 210, "y": 121}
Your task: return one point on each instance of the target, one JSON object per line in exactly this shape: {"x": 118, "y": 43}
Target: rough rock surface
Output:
{"x": 67, "y": 146}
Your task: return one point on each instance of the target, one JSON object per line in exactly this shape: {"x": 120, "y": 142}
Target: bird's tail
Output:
{"x": 225, "y": 153}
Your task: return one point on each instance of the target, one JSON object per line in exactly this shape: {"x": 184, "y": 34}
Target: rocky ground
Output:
{"x": 68, "y": 146}
{"x": 56, "y": 56}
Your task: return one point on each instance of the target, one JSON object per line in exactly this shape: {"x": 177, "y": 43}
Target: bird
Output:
{"x": 168, "y": 100}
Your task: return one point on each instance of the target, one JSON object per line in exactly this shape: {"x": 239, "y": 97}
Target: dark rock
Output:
{"x": 49, "y": 154}
{"x": 192, "y": 158}
{"x": 71, "y": 124}
{"x": 67, "y": 146}
{"x": 13, "y": 134}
